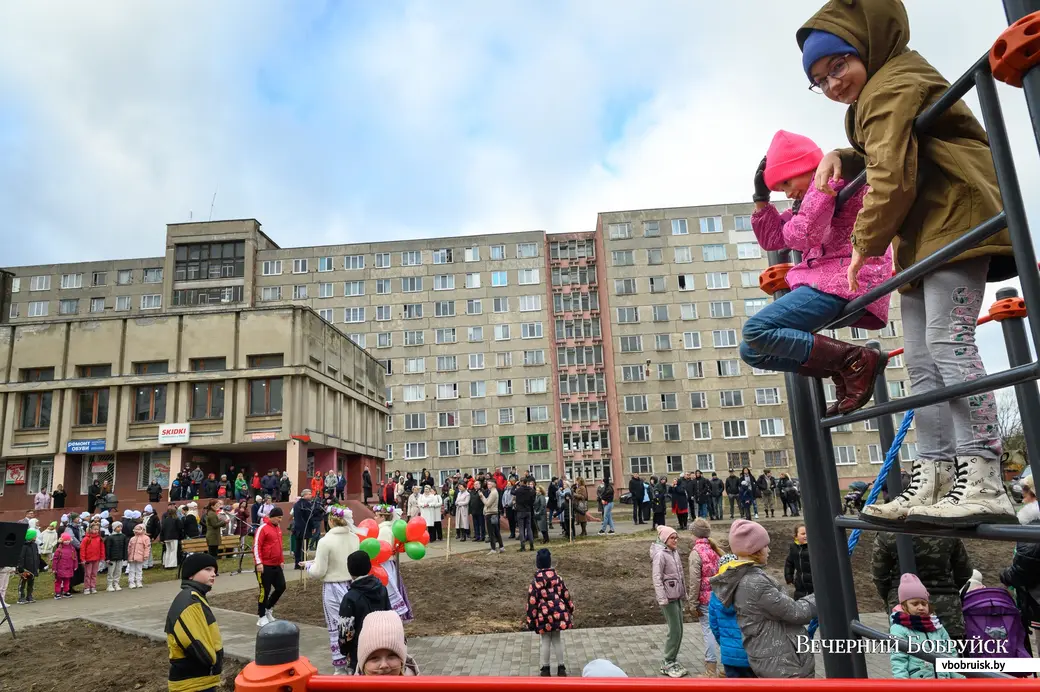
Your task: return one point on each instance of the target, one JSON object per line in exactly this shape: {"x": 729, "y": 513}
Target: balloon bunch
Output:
{"x": 409, "y": 538}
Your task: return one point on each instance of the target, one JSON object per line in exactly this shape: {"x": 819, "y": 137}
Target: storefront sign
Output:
{"x": 99, "y": 466}
{"x": 176, "y": 434}
{"x": 263, "y": 436}
{"x": 15, "y": 473}
{"x": 84, "y": 446}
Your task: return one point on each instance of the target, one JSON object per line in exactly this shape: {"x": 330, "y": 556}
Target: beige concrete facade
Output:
{"x": 682, "y": 282}
{"x": 86, "y": 398}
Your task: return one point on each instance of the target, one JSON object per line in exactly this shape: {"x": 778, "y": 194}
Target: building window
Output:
{"x": 39, "y": 308}
{"x": 671, "y": 432}
{"x": 206, "y": 261}
{"x": 639, "y": 433}
{"x": 537, "y": 414}
{"x": 474, "y": 307}
{"x": 844, "y": 455}
{"x": 669, "y": 402}
{"x": 717, "y": 280}
{"x": 628, "y": 315}
{"x": 411, "y": 284}
{"x": 641, "y": 465}
{"x": 776, "y": 459}
{"x": 499, "y": 278}
{"x": 478, "y": 390}
{"x": 651, "y": 229}
{"x": 665, "y": 371}
{"x": 635, "y": 403}
{"x": 265, "y": 396}
{"x": 415, "y": 450}
{"x": 702, "y": 430}
{"x": 92, "y": 406}
{"x": 36, "y": 409}
{"x": 663, "y": 342}
{"x": 97, "y": 304}
{"x": 625, "y": 287}
{"x": 691, "y": 340}
{"x": 382, "y": 260}
{"x": 150, "y": 404}
{"x": 711, "y": 224}
{"x": 498, "y": 252}
{"x": 698, "y": 400}
{"x": 537, "y": 443}
{"x": 299, "y": 292}
{"x": 619, "y": 231}
{"x": 536, "y": 357}
{"x": 724, "y": 338}
{"x": 748, "y": 251}
{"x": 658, "y": 284}
{"x": 153, "y": 275}
{"x": 771, "y": 427}
{"x": 71, "y": 281}
{"x": 623, "y": 258}
{"x": 507, "y": 445}
{"x": 506, "y": 416}
{"x": 382, "y": 287}
{"x": 325, "y": 264}
{"x": 679, "y": 227}
{"x": 908, "y": 452}
{"x": 471, "y": 254}
{"x": 442, "y": 256}
{"x": 733, "y": 429}
{"x": 631, "y": 344}
{"x": 68, "y": 307}
{"x": 40, "y": 283}
{"x": 354, "y": 315}
{"x": 767, "y": 396}
{"x": 531, "y": 330}
{"x": 207, "y": 400}
{"x": 411, "y": 258}
{"x": 125, "y": 277}
{"x": 445, "y": 336}
{"x": 721, "y": 308}
{"x": 415, "y": 421}
{"x": 695, "y": 371}
{"x": 326, "y": 314}
{"x": 728, "y": 368}
{"x": 526, "y": 250}
{"x": 268, "y": 293}
{"x": 444, "y": 282}
{"x": 151, "y": 302}
{"x": 714, "y": 253}
{"x": 444, "y": 308}
{"x": 448, "y": 448}
{"x": 752, "y": 306}
{"x": 271, "y": 268}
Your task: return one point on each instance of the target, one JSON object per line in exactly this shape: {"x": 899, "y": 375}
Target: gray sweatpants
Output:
{"x": 939, "y": 323}
{"x": 554, "y": 640}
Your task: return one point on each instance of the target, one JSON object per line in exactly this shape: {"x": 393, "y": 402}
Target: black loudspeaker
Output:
{"x": 12, "y": 538}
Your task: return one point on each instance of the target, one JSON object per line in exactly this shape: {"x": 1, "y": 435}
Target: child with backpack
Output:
{"x": 780, "y": 336}
{"x": 550, "y": 611}
{"x": 923, "y": 193}
{"x": 91, "y": 554}
{"x": 913, "y": 620}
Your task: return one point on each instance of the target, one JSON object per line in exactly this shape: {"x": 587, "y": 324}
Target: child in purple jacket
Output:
{"x": 780, "y": 336}
{"x": 63, "y": 565}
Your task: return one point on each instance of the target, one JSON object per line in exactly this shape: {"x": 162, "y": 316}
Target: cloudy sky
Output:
{"x": 330, "y": 122}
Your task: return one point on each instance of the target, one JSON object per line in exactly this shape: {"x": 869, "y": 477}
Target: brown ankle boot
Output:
{"x": 839, "y": 387}
{"x": 856, "y": 366}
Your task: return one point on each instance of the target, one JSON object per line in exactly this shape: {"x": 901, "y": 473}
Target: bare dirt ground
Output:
{"x": 79, "y": 655}
{"x": 609, "y": 580}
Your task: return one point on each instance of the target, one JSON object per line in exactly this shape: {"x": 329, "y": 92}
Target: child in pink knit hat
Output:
{"x": 915, "y": 620}
{"x": 780, "y": 336}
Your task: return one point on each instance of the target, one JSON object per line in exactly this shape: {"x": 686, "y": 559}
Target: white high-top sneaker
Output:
{"x": 929, "y": 480}
{"x": 978, "y": 497}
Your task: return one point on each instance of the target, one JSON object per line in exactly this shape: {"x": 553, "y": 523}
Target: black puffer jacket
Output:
{"x": 798, "y": 571}
{"x": 732, "y": 486}
{"x": 116, "y": 545}
{"x": 172, "y": 529}
{"x": 1024, "y": 575}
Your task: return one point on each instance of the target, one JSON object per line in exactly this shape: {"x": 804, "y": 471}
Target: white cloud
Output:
{"x": 407, "y": 118}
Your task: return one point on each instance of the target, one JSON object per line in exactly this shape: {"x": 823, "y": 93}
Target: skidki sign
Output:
{"x": 178, "y": 433}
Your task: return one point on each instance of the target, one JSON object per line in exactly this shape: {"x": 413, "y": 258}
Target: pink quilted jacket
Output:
{"x": 140, "y": 546}
{"x": 824, "y": 239}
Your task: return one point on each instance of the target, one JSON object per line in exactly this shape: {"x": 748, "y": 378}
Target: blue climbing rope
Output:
{"x": 875, "y": 490}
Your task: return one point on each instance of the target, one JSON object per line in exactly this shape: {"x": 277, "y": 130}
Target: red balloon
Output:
{"x": 379, "y": 573}
{"x": 385, "y": 551}
{"x": 425, "y": 538}
{"x": 370, "y": 526}
{"x": 362, "y": 532}
{"x": 416, "y": 528}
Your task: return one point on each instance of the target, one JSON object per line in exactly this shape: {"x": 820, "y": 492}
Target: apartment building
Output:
{"x": 555, "y": 353}
{"x": 681, "y": 283}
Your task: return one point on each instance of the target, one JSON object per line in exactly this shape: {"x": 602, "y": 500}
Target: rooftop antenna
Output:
{"x": 214, "y": 201}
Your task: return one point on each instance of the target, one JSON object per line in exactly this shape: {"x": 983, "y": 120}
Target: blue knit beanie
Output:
{"x": 821, "y": 44}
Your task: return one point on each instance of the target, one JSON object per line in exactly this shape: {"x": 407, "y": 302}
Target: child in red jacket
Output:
{"x": 91, "y": 554}
{"x": 63, "y": 565}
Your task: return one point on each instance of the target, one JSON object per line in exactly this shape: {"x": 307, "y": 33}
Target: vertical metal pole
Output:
{"x": 887, "y": 433}
{"x": 1010, "y": 191}
{"x": 828, "y": 473}
{"x": 1015, "y": 10}
{"x": 1027, "y": 393}
{"x": 816, "y": 509}
{"x": 819, "y": 522}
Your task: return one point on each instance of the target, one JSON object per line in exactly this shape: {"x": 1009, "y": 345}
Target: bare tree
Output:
{"x": 1009, "y": 424}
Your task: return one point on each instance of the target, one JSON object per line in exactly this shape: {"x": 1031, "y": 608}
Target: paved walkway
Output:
{"x": 637, "y": 650}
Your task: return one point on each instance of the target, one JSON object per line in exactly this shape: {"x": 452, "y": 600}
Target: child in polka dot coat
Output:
{"x": 549, "y": 611}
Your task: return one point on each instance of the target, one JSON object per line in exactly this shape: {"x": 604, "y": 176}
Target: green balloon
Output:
{"x": 371, "y": 546}
{"x": 415, "y": 550}
{"x": 400, "y": 530}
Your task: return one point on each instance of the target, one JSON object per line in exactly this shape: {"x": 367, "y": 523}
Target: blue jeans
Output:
{"x": 779, "y": 336}
{"x": 702, "y": 510}
{"x": 608, "y": 517}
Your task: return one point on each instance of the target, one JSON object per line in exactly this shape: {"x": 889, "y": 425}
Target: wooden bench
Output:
{"x": 228, "y": 546}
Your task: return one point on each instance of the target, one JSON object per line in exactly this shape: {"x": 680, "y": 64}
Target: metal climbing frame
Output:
{"x": 1012, "y": 59}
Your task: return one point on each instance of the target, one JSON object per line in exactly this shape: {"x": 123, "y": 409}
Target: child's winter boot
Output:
{"x": 977, "y": 497}
{"x": 929, "y": 481}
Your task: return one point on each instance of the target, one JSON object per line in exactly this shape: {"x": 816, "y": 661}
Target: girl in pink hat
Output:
{"x": 780, "y": 336}
{"x": 914, "y": 619}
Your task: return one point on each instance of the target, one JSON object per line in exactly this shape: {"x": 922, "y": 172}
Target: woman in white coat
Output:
{"x": 330, "y": 565}
{"x": 462, "y": 513}
{"x": 430, "y": 504}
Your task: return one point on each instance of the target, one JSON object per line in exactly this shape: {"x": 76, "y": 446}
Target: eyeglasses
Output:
{"x": 838, "y": 69}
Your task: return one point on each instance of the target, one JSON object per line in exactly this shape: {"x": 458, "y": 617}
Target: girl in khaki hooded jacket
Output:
{"x": 924, "y": 192}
